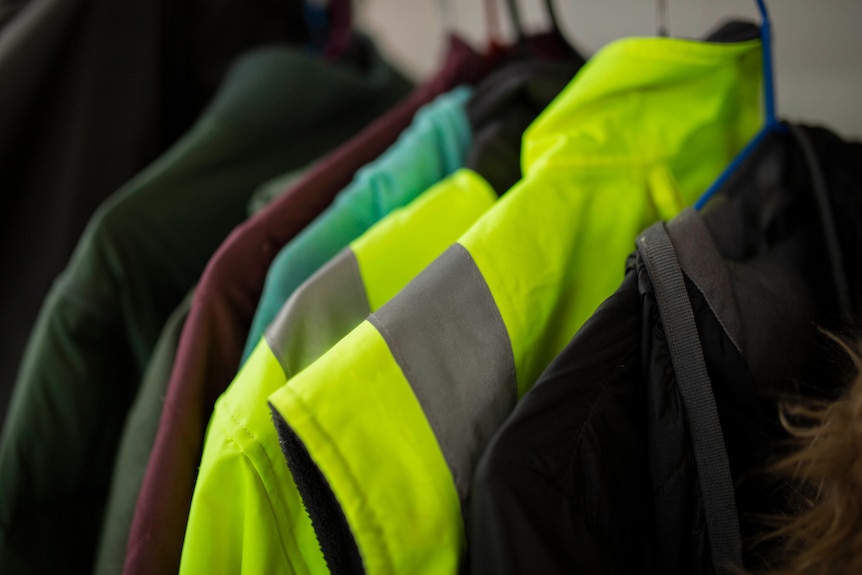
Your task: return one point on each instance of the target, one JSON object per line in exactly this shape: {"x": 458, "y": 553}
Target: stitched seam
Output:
{"x": 588, "y": 419}
{"x": 260, "y": 482}
{"x": 559, "y": 484}
{"x": 375, "y": 524}
{"x": 672, "y": 475}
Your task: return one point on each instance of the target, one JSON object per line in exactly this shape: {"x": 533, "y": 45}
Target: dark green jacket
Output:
{"x": 90, "y": 93}
{"x": 140, "y": 255}
{"x": 136, "y": 441}
{"x": 142, "y": 423}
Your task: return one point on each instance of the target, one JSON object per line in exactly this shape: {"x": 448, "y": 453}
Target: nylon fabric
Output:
{"x": 546, "y": 252}
{"x": 501, "y": 109}
{"x": 456, "y": 203}
{"x": 593, "y": 201}
{"x": 228, "y": 292}
{"x": 333, "y": 301}
{"x": 453, "y": 353}
{"x": 818, "y": 186}
{"x": 548, "y": 498}
{"x": 245, "y": 516}
{"x": 242, "y": 444}
{"x": 314, "y": 407}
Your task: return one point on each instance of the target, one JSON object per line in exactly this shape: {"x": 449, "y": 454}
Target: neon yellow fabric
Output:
{"x": 246, "y": 514}
{"x": 642, "y": 130}
{"x": 671, "y": 111}
{"x": 415, "y": 445}
{"x": 412, "y": 238}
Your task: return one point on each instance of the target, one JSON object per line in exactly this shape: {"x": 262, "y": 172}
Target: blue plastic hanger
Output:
{"x": 771, "y": 125}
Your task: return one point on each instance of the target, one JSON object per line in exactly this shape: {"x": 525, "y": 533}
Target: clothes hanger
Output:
{"x": 517, "y": 24}
{"x": 496, "y": 46}
{"x": 662, "y": 18}
{"x": 771, "y": 123}
{"x": 557, "y": 30}
{"x": 564, "y": 45}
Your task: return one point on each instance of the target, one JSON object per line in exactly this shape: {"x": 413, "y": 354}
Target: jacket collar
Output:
{"x": 641, "y": 101}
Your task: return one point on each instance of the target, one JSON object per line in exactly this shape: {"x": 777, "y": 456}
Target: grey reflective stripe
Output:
{"x": 325, "y": 308}
{"x": 693, "y": 381}
{"x": 704, "y": 266}
{"x": 447, "y": 336}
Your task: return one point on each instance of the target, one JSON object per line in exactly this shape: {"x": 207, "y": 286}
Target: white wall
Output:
{"x": 818, "y": 44}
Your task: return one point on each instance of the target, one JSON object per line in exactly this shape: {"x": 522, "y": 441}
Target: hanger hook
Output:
{"x": 443, "y": 13}
{"x": 515, "y": 17}
{"x": 771, "y": 123}
{"x": 662, "y": 18}
{"x": 768, "y": 74}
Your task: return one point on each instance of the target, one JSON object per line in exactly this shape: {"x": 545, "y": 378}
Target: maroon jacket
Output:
{"x": 225, "y": 300}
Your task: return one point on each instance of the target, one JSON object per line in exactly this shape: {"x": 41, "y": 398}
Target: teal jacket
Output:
{"x": 434, "y": 146}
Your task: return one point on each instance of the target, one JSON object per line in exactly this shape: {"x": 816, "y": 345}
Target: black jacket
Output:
{"x": 596, "y": 471}
{"x": 501, "y": 108}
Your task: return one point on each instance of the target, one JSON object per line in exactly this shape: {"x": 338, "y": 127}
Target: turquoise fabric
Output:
{"x": 434, "y": 146}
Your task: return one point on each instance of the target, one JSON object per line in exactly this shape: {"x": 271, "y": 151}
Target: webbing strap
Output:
{"x": 694, "y": 384}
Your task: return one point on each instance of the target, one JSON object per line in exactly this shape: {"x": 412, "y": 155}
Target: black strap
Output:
{"x": 693, "y": 381}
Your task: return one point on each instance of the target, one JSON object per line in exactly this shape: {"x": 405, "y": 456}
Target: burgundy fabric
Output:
{"x": 341, "y": 15}
{"x": 224, "y": 304}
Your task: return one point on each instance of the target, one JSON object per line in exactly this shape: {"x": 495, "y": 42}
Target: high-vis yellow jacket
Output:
{"x": 383, "y": 432}
{"x": 246, "y": 514}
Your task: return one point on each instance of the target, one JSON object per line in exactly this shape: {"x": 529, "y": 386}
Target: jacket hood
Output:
{"x": 766, "y": 263}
